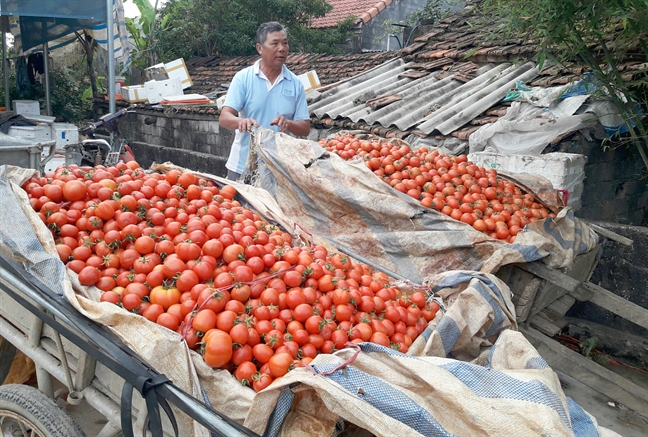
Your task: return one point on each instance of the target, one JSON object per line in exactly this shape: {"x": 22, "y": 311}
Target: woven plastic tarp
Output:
{"x": 500, "y": 387}
{"x": 469, "y": 373}
{"x": 345, "y": 203}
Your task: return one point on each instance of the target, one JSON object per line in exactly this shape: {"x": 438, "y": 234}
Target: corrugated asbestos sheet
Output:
{"x": 434, "y": 102}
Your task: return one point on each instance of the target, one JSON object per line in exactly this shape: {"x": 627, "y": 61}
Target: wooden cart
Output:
{"x": 542, "y": 296}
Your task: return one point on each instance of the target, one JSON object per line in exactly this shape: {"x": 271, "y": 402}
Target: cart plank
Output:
{"x": 618, "y": 305}
{"x": 610, "y": 234}
{"x": 588, "y": 372}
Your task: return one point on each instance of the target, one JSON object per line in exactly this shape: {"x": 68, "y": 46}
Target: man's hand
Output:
{"x": 246, "y": 124}
{"x": 281, "y": 122}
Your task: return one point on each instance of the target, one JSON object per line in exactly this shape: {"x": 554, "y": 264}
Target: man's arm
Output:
{"x": 300, "y": 128}
{"x": 230, "y": 119}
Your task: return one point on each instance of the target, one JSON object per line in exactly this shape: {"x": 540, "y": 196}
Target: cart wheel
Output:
{"x": 26, "y": 411}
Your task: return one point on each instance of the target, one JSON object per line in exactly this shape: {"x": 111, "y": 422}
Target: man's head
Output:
{"x": 272, "y": 44}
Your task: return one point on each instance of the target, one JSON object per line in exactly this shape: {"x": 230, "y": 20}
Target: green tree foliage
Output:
{"x": 598, "y": 34}
{"x": 190, "y": 28}
{"x": 67, "y": 86}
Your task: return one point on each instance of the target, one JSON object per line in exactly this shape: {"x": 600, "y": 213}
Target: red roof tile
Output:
{"x": 363, "y": 10}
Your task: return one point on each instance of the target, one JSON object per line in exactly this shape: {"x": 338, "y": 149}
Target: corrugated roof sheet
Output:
{"x": 434, "y": 102}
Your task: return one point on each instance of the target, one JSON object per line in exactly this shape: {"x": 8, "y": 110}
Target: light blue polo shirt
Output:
{"x": 253, "y": 96}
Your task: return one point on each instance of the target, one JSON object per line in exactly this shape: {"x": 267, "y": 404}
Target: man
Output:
{"x": 266, "y": 94}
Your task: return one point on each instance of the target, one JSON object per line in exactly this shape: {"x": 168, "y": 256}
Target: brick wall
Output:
{"x": 613, "y": 190}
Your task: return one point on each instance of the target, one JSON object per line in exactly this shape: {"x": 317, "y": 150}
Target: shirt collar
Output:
{"x": 284, "y": 71}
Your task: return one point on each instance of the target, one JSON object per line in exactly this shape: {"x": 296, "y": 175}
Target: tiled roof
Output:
{"x": 363, "y": 10}
{"x": 208, "y": 74}
{"x": 446, "y": 83}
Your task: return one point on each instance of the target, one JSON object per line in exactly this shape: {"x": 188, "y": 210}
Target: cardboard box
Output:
{"x": 36, "y": 133}
{"x": 134, "y": 93}
{"x": 26, "y": 107}
{"x": 64, "y": 134}
{"x": 310, "y": 80}
{"x": 157, "y": 90}
{"x": 178, "y": 68}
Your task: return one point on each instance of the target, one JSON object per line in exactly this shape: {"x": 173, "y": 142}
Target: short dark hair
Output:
{"x": 269, "y": 27}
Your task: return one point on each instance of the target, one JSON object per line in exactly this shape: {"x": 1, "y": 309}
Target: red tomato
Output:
{"x": 280, "y": 364}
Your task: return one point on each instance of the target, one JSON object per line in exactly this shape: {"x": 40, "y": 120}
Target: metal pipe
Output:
{"x": 44, "y": 380}
{"x": 35, "y": 331}
{"x": 5, "y": 70}
{"x": 111, "y": 56}
{"x": 48, "y": 103}
{"x": 109, "y": 430}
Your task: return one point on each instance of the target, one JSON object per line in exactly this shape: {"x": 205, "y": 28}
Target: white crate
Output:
{"x": 36, "y": 133}
{"x": 134, "y": 93}
{"x": 26, "y": 107}
{"x": 52, "y": 164}
{"x": 64, "y": 134}
{"x": 309, "y": 80}
{"x": 566, "y": 171}
{"x": 178, "y": 68}
{"x": 157, "y": 90}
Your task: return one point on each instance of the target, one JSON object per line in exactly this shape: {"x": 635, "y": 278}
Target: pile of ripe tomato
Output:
{"x": 183, "y": 253}
{"x": 449, "y": 184}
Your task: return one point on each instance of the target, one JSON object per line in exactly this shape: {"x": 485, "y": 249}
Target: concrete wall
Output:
{"x": 189, "y": 140}
{"x": 613, "y": 190}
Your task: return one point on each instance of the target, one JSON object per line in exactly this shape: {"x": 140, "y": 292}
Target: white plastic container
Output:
{"x": 120, "y": 82}
{"x": 310, "y": 80}
{"x": 36, "y": 133}
{"x": 57, "y": 160}
{"x": 134, "y": 93}
{"x": 26, "y": 107}
{"x": 178, "y": 68}
{"x": 64, "y": 134}
{"x": 566, "y": 171}
{"x": 157, "y": 90}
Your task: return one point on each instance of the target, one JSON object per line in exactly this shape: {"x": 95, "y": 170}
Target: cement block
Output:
{"x": 214, "y": 127}
{"x": 162, "y": 121}
{"x": 203, "y": 126}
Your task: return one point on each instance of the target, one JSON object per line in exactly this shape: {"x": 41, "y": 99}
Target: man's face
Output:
{"x": 274, "y": 50}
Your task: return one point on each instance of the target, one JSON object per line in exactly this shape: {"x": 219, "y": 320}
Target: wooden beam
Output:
{"x": 609, "y": 234}
{"x": 554, "y": 276}
{"x": 588, "y": 372}
{"x": 618, "y": 305}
